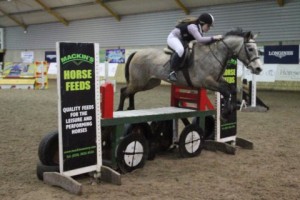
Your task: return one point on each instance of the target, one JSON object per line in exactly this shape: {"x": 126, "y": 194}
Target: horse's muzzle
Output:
{"x": 257, "y": 70}
{"x": 255, "y": 65}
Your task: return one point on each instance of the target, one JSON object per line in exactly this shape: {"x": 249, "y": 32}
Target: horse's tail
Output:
{"x": 127, "y": 66}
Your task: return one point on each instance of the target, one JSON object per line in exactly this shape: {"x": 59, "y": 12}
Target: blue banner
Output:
{"x": 283, "y": 54}
{"x": 115, "y": 55}
{"x": 50, "y": 56}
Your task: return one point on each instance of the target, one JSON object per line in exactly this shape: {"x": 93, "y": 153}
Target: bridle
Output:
{"x": 232, "y": 54}
{"x": 238, "y": 53}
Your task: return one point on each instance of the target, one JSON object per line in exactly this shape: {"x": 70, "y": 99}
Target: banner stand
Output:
{"x": 79, "y": 118}
{"x": 225, "y": 138}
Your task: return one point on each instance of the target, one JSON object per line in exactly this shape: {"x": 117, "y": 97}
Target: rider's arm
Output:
{"x": 193, "y": 30}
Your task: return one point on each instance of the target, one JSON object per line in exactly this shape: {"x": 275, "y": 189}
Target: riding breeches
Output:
{"x": 175, "y": 43}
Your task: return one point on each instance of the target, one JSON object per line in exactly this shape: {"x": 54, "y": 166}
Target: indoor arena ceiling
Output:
{"x": 28, "y": 12}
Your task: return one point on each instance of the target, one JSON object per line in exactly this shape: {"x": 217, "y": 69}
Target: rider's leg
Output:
{"x": 174, "y": 66}
{"x": 176, "y": 58}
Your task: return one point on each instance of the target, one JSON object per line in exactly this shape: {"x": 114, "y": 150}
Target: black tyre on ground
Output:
{"x": 209, "y": 131}
{"x": 40, "y": 169}
{"x": 48, "y": 149}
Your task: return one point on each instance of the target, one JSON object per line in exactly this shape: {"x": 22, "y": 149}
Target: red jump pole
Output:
{"x": 198, "y": 98}
{"x": 107, "y": 100}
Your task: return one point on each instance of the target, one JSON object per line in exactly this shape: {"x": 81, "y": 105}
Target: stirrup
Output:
{"x": 172, "y": 77}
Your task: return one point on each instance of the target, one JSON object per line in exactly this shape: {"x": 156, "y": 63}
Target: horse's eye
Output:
{"x": 250, "y": 49}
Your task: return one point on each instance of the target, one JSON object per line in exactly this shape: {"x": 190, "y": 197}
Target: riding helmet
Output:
{"x": 206, "y": 18}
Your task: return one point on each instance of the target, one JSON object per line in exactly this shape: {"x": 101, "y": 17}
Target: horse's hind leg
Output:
{"x": 131, "y": 102}
{"x": 123, "y": 96}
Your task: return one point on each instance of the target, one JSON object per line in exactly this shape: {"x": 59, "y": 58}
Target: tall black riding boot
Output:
{"x": 175, "y": 63}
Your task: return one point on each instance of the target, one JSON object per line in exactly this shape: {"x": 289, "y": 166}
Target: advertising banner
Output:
{"x": 115, "y": 55}
{"x": 78, "y": 107}
{"x": 50, "y": 56}
{"x": 282, "y": 54}
{"x": 27, "y": 56}
{"x": 229, "y": 127}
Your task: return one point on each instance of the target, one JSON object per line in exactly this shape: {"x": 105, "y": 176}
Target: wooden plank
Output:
{"x": 154, "y": 114}
{"x": 109, "y": 175}
{"x": 14, "y": 19}
{"x": 152, "y": 111}
{"x": 17, "y": 81}
{"x": 53, "y": 13}
{"x": 65, "y": 182}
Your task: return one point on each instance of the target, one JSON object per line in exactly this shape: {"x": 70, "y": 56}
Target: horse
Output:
{"x": 146, "y": 68}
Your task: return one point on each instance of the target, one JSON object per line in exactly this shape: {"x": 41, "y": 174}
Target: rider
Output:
{"x": 184, "y": 33}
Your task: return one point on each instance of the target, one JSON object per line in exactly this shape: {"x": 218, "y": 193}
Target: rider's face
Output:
{"x": 205, "y": 28}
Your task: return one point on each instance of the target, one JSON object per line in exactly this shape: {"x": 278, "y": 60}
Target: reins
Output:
{"x": 232, "y": 54}
{"x": 238, "y": 53}
{"x": 223, "y": 65}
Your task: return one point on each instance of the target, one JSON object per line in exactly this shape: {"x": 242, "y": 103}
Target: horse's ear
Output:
{"x": 248, "y": 36}
{"x": 255, "y": 35}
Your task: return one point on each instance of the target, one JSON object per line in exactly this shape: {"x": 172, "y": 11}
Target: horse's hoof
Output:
{"x": 119, "y": 109}
{"x": 172, "y": 77}
{"x": 130, "y": 108}
{"x": 224, "y": 118}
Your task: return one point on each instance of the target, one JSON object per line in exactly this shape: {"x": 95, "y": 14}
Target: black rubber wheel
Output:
{"x": 163, "y": 134}
{"x": 40, "y": 169}
{"x": 191, "y": 141}
{"x": 48, "y": 149}
{"x": 132, "y": 153}
{"x": 107, "y": 134}
{"x": 143, "y": 129}
{"x": 209, "y": 131}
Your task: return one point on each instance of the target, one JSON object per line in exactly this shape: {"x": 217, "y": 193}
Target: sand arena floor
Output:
{"x": 270, "y": 171}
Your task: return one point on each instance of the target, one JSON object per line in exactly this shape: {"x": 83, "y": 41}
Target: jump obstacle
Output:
{"x": 250, "y": 102}
{"x": 33, "y": 77}
{"x": 93, "y": 139}
{"x": 224, "y": 133}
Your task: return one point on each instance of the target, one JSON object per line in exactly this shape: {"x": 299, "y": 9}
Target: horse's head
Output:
{"x": 246, "y": 50}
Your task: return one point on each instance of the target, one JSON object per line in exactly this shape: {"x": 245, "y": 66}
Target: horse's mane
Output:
{"x": 237, "y": 32}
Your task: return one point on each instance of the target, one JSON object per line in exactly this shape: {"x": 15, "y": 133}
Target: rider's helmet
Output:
{"x": 206, "y": 18}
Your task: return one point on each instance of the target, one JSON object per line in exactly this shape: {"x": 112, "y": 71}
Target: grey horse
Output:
{"x": 146, "y": 68}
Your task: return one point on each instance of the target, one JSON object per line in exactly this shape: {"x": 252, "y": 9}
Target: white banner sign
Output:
{"x": 112, "y": 69}
{"x": 288, "y": 73}
{"x": 27, "y": 56}
{"x": 267, "y": 75}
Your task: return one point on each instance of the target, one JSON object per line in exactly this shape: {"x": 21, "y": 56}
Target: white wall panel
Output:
{"x": 273, "y": 22}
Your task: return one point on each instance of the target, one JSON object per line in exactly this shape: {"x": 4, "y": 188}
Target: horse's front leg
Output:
{"x": 227, "y": 92}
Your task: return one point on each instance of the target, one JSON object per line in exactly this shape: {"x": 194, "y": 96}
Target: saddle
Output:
{"x": 187, "y": 61}
{"x": 188, "y": 55}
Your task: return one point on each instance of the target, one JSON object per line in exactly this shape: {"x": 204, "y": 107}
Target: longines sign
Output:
{"x": 283, "y": 54}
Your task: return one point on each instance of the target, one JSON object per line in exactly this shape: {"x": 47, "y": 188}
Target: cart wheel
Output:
{"x": 48, "y": 149}
{"x": 209, "y": 128}
{"x": 163, "y": 134}
{"x": 132, "y": 153}
{"x": 143, "y": 129}
{"x": 191, "y": 141}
